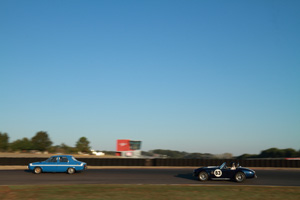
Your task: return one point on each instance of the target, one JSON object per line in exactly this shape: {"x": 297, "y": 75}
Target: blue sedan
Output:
{"x": 61, "y": 163}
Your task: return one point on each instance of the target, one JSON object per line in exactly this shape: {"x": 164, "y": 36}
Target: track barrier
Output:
{"x": 283, "y": 163}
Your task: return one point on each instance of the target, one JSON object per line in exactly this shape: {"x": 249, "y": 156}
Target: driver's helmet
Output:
{"x": 233, "y": 165}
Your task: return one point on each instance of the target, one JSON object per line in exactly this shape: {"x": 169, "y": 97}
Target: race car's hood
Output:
{"x": 247, "y": 169}
{"x": 210, "y": 167}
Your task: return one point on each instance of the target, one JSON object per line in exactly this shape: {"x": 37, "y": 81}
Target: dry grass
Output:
{"x": 143, "y": 192}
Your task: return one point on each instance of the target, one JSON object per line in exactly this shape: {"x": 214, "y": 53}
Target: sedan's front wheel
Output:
{"x": 37, "y": 170}
{"x": 71, "y": 171}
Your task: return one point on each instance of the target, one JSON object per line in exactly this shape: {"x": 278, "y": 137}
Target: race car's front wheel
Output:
{"x": 203, "y": 176}
{"x": 239, "y": 177}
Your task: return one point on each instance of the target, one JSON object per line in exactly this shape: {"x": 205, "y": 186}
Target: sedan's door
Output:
{"x": 63, "y": 164}
{"x": 50, "y": 165}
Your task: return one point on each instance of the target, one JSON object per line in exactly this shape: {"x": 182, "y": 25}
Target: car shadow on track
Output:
{"x": 188, "y": 176}
{"x": 31, "y": 172}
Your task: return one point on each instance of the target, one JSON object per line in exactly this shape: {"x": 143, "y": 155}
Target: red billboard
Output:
{"x": 127, "y": 146}
{"x": 123, "y": 145}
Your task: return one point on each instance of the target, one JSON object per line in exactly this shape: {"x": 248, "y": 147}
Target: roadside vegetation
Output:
{"x": 41, "y": 142}
{"x": 273, "y": 153}
{"x": 268, "y": 153}
{"x": 144, "y": 192}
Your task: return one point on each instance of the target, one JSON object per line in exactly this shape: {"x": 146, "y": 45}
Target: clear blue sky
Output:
{"x": 195, "y": 76}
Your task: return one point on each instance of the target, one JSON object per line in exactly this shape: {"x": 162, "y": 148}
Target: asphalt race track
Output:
{"x": 143, "y": 176}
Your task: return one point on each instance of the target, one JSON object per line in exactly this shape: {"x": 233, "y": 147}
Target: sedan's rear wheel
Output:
{"x": 71, "y": 171}
{"x": 203, "y": 176}
{"x": 37, "y": 170}
{"x": 240, "y": 177}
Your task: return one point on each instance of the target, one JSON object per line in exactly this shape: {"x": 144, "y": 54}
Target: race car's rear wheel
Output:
{"x": 71, "y": 171}
{"x": 37, "y": 170}
{"x": 203, "y": 176}
{"x": 239, "y": 177}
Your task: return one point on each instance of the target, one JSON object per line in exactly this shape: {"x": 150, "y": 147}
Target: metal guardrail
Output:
{"x": 163, "y": 162}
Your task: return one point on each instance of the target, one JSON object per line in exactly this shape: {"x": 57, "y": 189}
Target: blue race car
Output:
{"x": 222, "y": 172}
{"x": 61, "y": 163}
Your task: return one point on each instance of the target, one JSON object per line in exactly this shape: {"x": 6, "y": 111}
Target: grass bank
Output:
{"x": 141, "y": 192}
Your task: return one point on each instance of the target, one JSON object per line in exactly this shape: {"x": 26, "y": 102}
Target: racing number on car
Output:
{"x": 218, "y": 173}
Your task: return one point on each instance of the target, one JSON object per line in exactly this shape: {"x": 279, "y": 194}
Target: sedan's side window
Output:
{"x": 54, "y": 159}
{"x": 63, "y": 159}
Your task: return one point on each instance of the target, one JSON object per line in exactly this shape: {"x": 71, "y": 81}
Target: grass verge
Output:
{"x": 141, "y": 192}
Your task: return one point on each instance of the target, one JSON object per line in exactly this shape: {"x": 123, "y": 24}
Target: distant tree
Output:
{"x": 4, "y": 141}
{"x": 223, "y": 156}
{"x": 54, "y": 149}
{"x": 198, "y": 156}
{"x": 170, "y": 153}
{"x": 290, "y": 153}
{"x": 41, "y": 141}
{"x": 83, "y": 145}
{"x": 246, "y": 156}
{"x": 270, "y": 153}
{"x": 67, "y": 149}
{"x": 24, "y": 144}
{"x": 273, "y": 153}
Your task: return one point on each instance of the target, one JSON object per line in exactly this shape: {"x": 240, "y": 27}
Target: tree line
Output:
{"x": 165, "y": 153}
{"x": 273, "y": 153}
{"x": 268, "y": 153}
{"x": 41, "y": 142}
